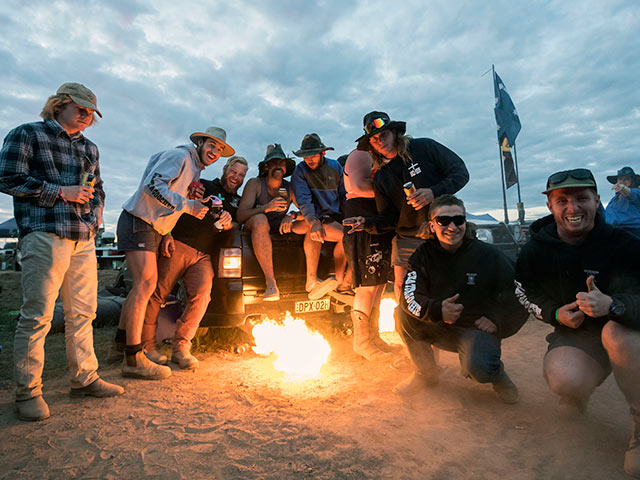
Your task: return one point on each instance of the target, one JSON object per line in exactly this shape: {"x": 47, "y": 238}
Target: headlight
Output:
{"x": 230, "y": 263}
{"x": 485, "y": 235}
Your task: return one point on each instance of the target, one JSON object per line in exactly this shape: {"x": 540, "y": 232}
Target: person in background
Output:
{"x": 263, "y": 210}
{"x": 582, "y": 276}
{"x": 458, "y": 295}
{"x": 623, "y": 210}
{"x": 186, "y": 255}
{"x": 52, "y": 171}
{"x": 318, "y": 188}
{"x": 151, "y": 213}
{"x": 369, "y": 256}
{"x": 411, "y": 173}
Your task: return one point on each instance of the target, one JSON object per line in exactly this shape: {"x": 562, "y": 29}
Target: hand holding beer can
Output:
{"x": 88, "y": 179}
{"x": 409, "y": 189}
{"x": 282, "y": 192}
{"x": 196, "y": 190}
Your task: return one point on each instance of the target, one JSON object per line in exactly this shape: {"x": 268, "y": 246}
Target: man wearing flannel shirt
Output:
{"x": 52, "y": 172}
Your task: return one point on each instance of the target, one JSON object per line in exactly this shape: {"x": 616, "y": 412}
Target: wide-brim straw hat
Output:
{"x": 374, "y": 122}
{"x": 276, "y": 151}
{"x": 311, "y": 145}
{"x": 218, "y": 134}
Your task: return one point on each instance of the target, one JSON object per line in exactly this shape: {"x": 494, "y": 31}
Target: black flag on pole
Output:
{"x": 510, "y": 175}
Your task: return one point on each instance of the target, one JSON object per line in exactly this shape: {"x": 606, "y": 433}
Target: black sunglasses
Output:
{"x": 445, "y": 220}
{"x": 576, "y": 173}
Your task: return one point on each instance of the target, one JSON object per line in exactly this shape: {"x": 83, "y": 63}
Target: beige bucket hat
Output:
{"x": 218, "y": 134}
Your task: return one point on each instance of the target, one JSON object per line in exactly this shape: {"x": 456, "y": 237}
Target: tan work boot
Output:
{"x": 156, "y": 357}
{"x": 374, "y": 326}
{"x": 32, "y": 410}
{"x": 416, "y": 383}
{"x": 632, "y": 456}
{"x": 362, "y": 342}
{"x": 144, "y": 368}
{"x": 182, "y": 356}
{"x": 98, "y": 388}
{"x": 506, "y": 390}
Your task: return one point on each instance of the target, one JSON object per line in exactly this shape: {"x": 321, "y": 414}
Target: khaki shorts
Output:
{"x": 402, "y": 248}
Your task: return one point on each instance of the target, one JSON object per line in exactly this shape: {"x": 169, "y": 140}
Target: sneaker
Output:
{"x": 99, "y": 388}
{"x": 322, "y": 288}
{"x": 184, "y": 360}
{"x": 156, "y": 357}
{"x": 144, "y": 368}
{"x": 33, "y": 409}
{"x": 506, "y": 390}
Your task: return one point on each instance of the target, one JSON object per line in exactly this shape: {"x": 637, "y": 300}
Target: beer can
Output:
{"x": 409, "y": 188}
{"x": 88, "y": 179}
{"x": 283, "y": 192}
{"x": 195, "y": 185}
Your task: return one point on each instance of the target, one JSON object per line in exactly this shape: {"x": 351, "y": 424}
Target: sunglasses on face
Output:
{"x": 576, "y": 174}
{"x": 374, "y": 125}
{"x": 445, "y": 220}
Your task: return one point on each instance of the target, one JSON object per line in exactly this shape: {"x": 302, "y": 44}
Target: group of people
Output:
{"x": 390, "y": 209}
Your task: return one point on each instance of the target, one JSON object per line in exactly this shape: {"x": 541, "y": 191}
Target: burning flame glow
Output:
{"x": 387, "y": 306}
{"x": 300, "y": 353}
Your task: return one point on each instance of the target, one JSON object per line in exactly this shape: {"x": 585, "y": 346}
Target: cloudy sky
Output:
{"x": 274, "y": 70}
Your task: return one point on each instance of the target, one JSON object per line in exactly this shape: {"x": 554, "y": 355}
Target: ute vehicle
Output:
{"x": 239, "y": 283}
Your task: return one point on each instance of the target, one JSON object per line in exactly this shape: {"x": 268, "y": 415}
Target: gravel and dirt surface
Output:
{"x": 237, "y": 418}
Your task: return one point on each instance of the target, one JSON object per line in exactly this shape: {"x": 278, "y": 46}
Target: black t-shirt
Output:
{"x": 201, "y": 234}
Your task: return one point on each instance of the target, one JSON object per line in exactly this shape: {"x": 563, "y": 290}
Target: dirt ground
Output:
{"x": 236, "y": 418}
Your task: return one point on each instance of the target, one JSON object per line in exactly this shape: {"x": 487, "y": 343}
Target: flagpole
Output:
{"x": 520, "y": 205}
{"x": 504, "y": 191}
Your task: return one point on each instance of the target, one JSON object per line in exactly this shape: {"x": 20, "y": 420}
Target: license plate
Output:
{"x": 312, "y": 305}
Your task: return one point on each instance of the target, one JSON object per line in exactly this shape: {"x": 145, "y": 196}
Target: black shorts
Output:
{"x": 136, "y": 234}
{"x": 587, "y": 338}
{"x": 369, "y": 256}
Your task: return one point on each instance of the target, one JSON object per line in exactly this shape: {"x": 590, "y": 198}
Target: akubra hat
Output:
{"x": 374, "y": 122}
{"x": 635, "y": 179}
{"x": 275, "y": 151}
{"x": 311, "y": 145}
{"x": 219, "y": 135}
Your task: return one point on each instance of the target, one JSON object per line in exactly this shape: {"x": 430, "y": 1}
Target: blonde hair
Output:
{"x": 402, "y": 147}
{"x": 232, "y": 161}
{"x": 55, "y": 104}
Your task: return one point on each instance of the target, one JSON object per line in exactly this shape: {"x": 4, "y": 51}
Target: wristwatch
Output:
{"x": 616, "y": 309}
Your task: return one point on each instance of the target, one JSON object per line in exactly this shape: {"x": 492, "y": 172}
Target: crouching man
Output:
{"x": 583, "y": 277}
{"x": 458, "y": 295}
{"x": 52, "y": 172}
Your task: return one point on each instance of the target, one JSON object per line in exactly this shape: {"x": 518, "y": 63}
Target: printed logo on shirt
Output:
{"x": 410, "y": 287}
{"x": 414, "y": 169}
{"x": 471, "y": 278}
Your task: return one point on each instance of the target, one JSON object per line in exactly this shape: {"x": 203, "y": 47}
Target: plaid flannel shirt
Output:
{"x": 35, "y": 161}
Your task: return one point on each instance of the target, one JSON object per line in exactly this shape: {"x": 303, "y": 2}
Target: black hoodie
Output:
{"x": 480, "y": 273}
{"x": 550, "y": 272}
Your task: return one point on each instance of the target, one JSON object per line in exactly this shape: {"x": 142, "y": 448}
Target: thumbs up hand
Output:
{"x": 593, "y": 303}
{"x": 451, "y": 310}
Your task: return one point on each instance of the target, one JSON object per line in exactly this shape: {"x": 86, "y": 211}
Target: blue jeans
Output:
{"x": 479, "y": 352}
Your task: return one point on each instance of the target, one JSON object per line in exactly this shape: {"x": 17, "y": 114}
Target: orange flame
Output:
{"x": 387, "y": 306}
{"x": 300, "y": 353}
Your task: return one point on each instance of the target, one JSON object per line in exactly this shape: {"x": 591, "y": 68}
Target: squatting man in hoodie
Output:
{"x": 582, "y": 276}
{"x": 458, "y": 295}
{"x": 152, "y": 211}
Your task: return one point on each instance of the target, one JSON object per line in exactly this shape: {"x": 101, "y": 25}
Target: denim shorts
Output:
{"x": 136, "y": 234}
